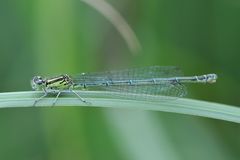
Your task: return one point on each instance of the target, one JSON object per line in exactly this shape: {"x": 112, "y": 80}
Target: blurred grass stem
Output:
{"x": 118, "y": 22}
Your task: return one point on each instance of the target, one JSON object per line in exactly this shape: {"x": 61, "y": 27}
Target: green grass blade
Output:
{"x": 101, "y": 99}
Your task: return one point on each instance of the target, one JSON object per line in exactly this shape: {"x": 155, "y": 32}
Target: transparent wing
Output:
{"x": 160, "y": 91}
{"x": 164, "y": 89}
{"x": 134, "y": 73}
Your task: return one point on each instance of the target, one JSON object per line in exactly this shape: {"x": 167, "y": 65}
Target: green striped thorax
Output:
{"x": 61, "y": 82}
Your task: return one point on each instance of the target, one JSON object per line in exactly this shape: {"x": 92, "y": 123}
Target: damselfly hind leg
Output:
{"x": 82, "y": 99}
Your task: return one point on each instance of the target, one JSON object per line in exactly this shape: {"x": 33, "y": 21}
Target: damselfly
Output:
{"x": 154, "y": 81}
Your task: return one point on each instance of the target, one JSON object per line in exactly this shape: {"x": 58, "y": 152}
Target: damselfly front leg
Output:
{"x": 38, "y": 99}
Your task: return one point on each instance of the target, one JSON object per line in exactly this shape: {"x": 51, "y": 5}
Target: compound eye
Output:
{"x": 38, "y": 80}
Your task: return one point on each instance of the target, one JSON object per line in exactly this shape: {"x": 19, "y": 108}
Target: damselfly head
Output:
{"x": 211, "y": 78}
{"x": 37, "y": 82}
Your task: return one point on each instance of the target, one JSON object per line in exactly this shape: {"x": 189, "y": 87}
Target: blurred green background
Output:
{"x": 48, "y": 37}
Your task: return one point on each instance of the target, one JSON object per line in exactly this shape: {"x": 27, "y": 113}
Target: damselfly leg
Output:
{"x": 58, "y": 95}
